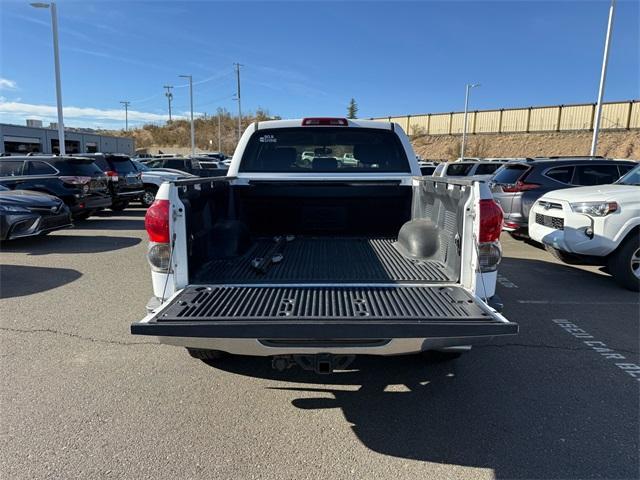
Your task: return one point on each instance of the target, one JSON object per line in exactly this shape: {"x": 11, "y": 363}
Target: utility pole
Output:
{"x": 193, "y": 132}
{"x": 126, "y": 115}
{"x": 219, "y": 131}
{"x": 468, "y": 87}
{"x": 56, "y": 60}
{"x": 169, "y": 96}
{"x": 603, "y": 78}
{"x": 238, "y": 65}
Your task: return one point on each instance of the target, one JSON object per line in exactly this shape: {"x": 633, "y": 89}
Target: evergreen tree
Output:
{"x": 352, "y": 109}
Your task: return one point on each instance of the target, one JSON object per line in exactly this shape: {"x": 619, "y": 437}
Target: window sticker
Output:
{"x": 268, "y": 139}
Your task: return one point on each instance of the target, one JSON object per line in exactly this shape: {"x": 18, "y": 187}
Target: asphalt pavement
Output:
{"x": 82, "y": 398}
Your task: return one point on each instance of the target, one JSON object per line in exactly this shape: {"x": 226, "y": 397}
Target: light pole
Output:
{"x": 126, "y": 115}
{"x": 193, "y": 132}
{"x": 603, "y": 77}
{"x": 169, "y": 96}
{"x": 469, "y": 86}
{"x": 56, "y": 60}
{"x": 219, "y": 132}
{"x": 238, "y": 65}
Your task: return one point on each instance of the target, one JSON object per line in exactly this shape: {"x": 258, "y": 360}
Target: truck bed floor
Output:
{"x": 330, "y": 260}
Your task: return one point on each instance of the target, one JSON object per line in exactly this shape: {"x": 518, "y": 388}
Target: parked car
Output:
{"x": 24, "y": 214}
{"x": 77, "y": 181}
{"x": 152, "y": 178}
{"x": 189, "y": 165}
{"x": 124, "y": 180}
{"x": 427, "y": 168}
{"x": 597, "y": 225}
{"x": 517, "y": 185}
{"x": 312, "y": 263}
{"x": 467, "y": 168}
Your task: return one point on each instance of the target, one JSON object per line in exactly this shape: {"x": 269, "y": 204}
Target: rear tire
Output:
{"x": 120, "y": 206}
{"x": 82, "y": 215}
{"x": 148, "y": 196}
{"x": 568, "y": 258}
{"x": 624, "y": 263}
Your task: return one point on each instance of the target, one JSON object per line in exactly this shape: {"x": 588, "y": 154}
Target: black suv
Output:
{"x": 125, "y": 182}
{"x": 78, "y": 182}
{"x": 517, "y": 185}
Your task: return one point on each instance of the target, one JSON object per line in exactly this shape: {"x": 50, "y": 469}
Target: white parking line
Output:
{"x": 505, "y": 282}
{"x": 566, "y": 302}
{"x": 597, "y": 346}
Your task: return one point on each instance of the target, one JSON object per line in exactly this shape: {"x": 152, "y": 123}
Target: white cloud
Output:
{"x": 6, "y": 84}
{"x": 28, "y": 110}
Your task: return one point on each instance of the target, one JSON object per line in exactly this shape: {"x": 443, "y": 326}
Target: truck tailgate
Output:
{"x": 323, "y": 312}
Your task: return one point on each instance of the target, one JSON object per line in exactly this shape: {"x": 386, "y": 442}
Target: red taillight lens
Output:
{"x": 156, "y": 221}
{"x": 337, "y": 122}
{"x": 112, "y": 174}
{"x": 490, "y": 221}
{"x": 75, "y": 180}
{"x": 519, "y": 186}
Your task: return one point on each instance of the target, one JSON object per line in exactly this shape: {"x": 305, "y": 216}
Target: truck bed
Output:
{"x": 324, "y": 260}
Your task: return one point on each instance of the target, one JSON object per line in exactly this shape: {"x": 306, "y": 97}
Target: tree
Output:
{"x": 352, "y": 109}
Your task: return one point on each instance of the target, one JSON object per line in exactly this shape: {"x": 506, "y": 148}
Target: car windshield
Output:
{"x": 509, "y": 173}
{"x": 78, "y": 166}
{"x": 459, "y": 169}
{"x": 334, "y": 149}
{"x": 631, "y": 178}
{"x": 122, "y": 164}
{"x": 141, "y": 167}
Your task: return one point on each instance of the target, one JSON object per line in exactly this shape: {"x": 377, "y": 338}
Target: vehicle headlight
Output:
{"x": 595, "y": 209}
{"x": 13, "y": 209}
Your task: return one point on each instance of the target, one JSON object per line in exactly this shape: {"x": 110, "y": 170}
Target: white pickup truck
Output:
{"x": 312, "y": 261}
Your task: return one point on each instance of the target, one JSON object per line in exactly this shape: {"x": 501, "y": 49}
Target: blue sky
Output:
{"x": 306, "y": 58}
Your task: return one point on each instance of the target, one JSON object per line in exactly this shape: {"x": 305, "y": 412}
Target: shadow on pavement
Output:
{"x": 69, "y": 244}
{"x": 493, "y": 408}
{"x": 107, "y": 223}
{"x": 18, "y": 280}
{"x": 129, "y": 212}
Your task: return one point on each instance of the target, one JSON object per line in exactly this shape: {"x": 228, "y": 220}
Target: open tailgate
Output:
{"x": 323, "y": 312}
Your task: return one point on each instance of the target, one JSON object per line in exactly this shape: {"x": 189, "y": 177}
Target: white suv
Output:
{"x": 598, "y": 225}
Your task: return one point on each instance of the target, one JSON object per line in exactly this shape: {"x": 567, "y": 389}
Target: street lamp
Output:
{"x": 193, "y": 132}
{"x": 603, "y": 77}
{"x": 56, "y": 59}
{"x": 469, "y": 86}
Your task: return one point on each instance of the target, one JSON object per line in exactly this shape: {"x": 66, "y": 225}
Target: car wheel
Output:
{"x": 624, "y": 263}
{"x": 565, "y": 257}
{"x": 148, "y": 196}
{"x": 82, "y": 215}
{"x": 118, "y": 207}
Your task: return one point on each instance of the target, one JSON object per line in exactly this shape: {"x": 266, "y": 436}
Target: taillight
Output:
{"x": 519, "y": 186}
{"x": 156, "y": 221}
{"x": 490, "y": 221}
{"x": 112, "y": 174}
{"x": 337, "y": 122}
{"x": 75, "y": 180}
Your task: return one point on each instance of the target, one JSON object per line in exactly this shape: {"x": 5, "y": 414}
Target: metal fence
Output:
{"x": 558, "y": 118}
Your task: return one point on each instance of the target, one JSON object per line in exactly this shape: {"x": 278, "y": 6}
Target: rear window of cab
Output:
{"x": 324, "y": 150}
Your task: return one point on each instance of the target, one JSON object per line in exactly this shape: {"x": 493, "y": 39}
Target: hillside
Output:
{"x": 175, "y": 138}
{"x": 618, "y": 144}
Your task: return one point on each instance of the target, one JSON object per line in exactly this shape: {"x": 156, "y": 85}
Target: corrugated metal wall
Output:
{"x": 615, "y": 116}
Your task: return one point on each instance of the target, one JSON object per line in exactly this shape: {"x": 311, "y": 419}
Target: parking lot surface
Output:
{"x": 82, "y": 398}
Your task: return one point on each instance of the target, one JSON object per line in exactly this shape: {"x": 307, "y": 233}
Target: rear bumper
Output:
{"x": 91, "y": 202}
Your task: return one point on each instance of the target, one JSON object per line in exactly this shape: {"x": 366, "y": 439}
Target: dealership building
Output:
{"x": 20, "y": 140}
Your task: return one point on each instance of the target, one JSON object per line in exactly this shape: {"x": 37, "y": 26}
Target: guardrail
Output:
{"x": 558, "y": 118}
